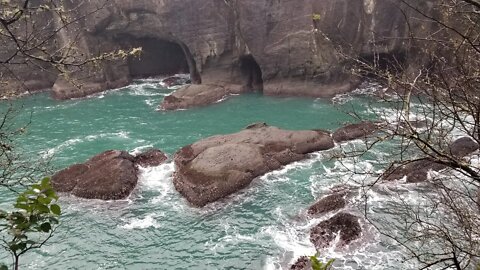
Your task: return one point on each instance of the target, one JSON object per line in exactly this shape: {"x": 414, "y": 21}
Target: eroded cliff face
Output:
{"x": 283, "y": 47}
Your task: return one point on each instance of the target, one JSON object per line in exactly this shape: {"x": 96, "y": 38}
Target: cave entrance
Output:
{"x": 251, "y": 73}
{"x": 159, "y": 58}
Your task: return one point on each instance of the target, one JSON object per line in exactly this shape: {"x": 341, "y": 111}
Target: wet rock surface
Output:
{"x": 303, "y": 263}
{"x": 463, "y": 147}
{"x": 111, "y": 175}
{"x": 329, "y": 203}
{"x": 193, "y": 95}
{"x": 415, "y": 171}
{"x": 355, "y": 131}
{"x": 150, "y": 158}
{"x": 347, "y": 225}
{"x": 218, "y": 166}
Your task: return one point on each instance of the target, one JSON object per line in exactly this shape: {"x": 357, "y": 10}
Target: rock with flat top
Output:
{"x": 216, "y": 167}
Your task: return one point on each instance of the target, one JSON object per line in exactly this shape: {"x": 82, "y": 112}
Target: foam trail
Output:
{"x": 142, "y": 223}
{"x": 140, "y": 149}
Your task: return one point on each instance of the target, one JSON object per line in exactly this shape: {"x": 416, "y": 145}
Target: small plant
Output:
{"x": 316, "y": 17}
{"x": 31, "y": 223}
{"x": 318, "y": 265}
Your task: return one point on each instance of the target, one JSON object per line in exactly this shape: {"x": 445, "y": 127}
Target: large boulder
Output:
{"x": 463, "y": 147}
{"x": 111, "y": 175}
{"x": 415, "y": 171}
{"x": 345, "y": 224}
{"x": 354, "y": 131}
{"x": 215, "y": 167}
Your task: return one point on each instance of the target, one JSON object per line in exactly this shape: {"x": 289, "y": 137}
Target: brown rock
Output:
{"x": 193, "y": 95}
{"x": 354, "y": 131}
{"x": 303, "y": 263}
{"x": 415, "y": 171}
{"x": 329, "y": 203}
{"x": 221, "y": 165}
{"x": 110, "y": 175}
{"x": 463, "y": 147}
{"x": 150, "y": 158}
{"x": 325, "y": 232}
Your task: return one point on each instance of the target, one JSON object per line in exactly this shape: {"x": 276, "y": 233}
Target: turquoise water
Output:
{"x": 262, "y": 227}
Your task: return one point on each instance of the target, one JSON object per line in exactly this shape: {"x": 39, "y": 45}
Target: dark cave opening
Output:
{"x": 251, "y": 73}
{"x": 159, "y": 58}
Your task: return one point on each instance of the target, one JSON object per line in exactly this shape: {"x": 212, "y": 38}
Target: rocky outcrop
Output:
{"x": 150, "y": 158}
{"x": 415, "y": 171}
{"x": 345, "y": 224}
{"x": 329, "y": 203}
{"x": 354, "y": 131}
{"x": 303, "y": 263}
{"x": 193, "y": 95}
{"x": 218, "y": 166}
{"x": 111, "y": 175}
{"x": 463, "y": 147}
{"x": 287, "y": 48}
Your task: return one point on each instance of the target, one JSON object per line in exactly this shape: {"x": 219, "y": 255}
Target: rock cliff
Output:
{"x": 289, "y": 47}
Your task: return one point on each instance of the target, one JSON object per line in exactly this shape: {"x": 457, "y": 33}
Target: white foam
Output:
{"x": 46, "y": 154}
{"x": 52, "y": 151}
{"x": 142, "y": 223}
{"x": 140, "y": 149}
{"x": 158, "y": 179}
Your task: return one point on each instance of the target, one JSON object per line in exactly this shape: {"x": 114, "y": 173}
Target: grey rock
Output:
{"x": 216, "y": 167}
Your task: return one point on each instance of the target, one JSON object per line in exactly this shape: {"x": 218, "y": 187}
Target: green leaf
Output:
{"x": 3, "y": 267}
{"x": 45, "y": 183}
{"x": 46, "y": 227}
{"x": 55, "y": 209}
{"x": 316, "y": 265}
{"x": 42, "y": 208}
{"x": 44, "y": 200}
{"x": 329, "y": 263}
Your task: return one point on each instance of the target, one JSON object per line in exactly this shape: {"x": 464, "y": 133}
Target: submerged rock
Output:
{"x": 215, "y": 167}
{"x": 354, "y": 131}
{"x": 150, "y": 158}
{"x": 329, "y": 203}
{"x": 415, "y": 171}
{"x": 347, "y": 225}
{"x": 463, "y": 147}
{"x": 111, "y": 175}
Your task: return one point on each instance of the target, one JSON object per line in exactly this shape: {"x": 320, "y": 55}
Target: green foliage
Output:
{"x": 33, "y": 220}
{"x": 318, "y": 265}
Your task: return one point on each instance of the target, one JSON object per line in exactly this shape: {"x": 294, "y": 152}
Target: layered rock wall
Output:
{"x": 295, "y": 43}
